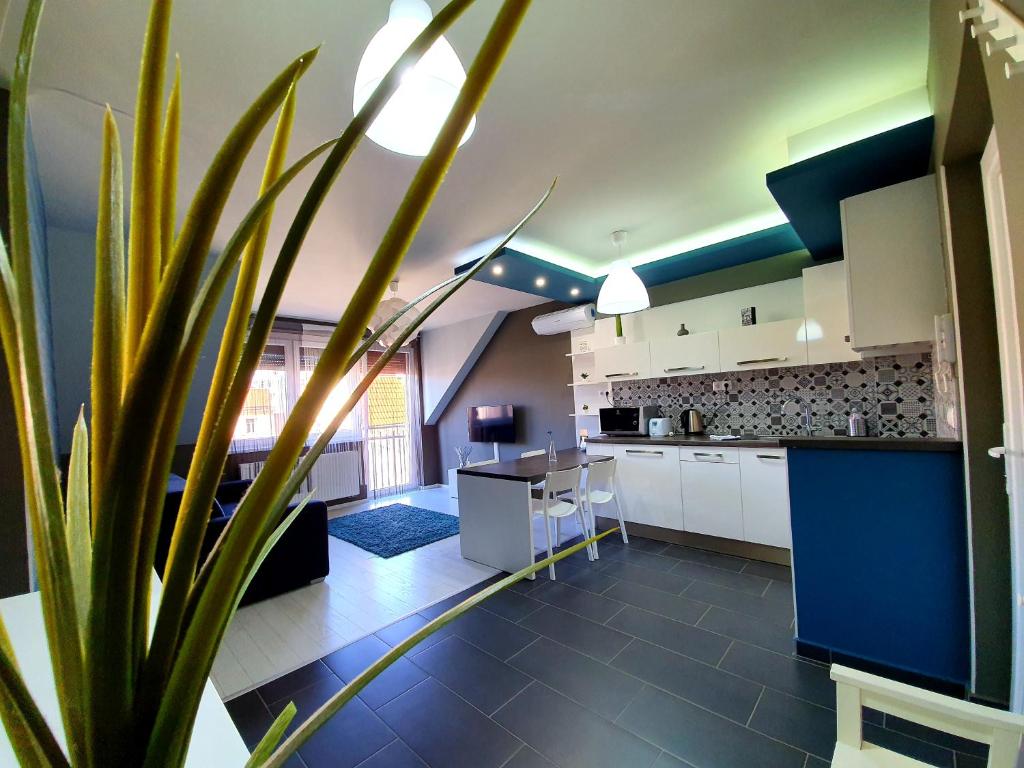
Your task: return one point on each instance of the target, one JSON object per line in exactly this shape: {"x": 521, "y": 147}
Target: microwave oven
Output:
{"x": 627, "y": 420}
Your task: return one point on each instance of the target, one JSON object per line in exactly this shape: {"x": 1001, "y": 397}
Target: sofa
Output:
{"x": 297, "y": 560}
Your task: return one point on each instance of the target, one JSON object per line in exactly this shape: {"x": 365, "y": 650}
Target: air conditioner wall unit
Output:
{"x": 571, "y": 319}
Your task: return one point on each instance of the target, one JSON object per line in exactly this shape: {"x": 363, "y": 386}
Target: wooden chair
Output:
{"x": 1002, "y": 731}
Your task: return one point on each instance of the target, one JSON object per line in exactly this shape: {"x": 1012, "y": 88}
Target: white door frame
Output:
{"x": 1010, "y": 327}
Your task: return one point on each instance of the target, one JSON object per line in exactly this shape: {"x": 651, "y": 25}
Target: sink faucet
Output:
{"x": 805, "y": 409}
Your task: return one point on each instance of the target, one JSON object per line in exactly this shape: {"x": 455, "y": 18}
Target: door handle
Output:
{"x": 762, "y": 360}
{"x": 638, "y": 452}
{"x": 613, "y": 375}
{"x": 769, "y": 456}
{"x": 684, "y": 368}
{"x": 998, "y": 452}
{"x": 716, "y": 456}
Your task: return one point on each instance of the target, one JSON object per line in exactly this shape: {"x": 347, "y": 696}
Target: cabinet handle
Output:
{"x": 637, "y": 451}
{"x": 685, "y": 368}
{"x": 709, "y": 455}
{"x": 769, "y": 456}
{"x": 613, "y": 375}
{"x": 762, "y": 360}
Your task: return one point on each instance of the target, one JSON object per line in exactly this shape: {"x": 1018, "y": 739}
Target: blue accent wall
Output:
{"x": 880, "y": 557}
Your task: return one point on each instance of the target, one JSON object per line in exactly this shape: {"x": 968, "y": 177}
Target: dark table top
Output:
{"x": 533, "y": 468}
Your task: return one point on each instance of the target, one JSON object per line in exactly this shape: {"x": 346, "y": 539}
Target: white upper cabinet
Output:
{"x": 827, "y": 315}
{"x": 766, "y": 345}
{"x": 685, "y": 355}
{"x": 623, "y": 362}
{"x": 894, "y": 267}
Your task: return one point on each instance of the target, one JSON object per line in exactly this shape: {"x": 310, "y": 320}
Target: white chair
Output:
{"x": 1002, "y": 731}
{"x": 600, "y": 489}
{"x": 527, "y": 454}
{"x": 554, "y": 508}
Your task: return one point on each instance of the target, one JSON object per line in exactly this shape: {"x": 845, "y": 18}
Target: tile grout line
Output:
{"x": 750, "y": 718}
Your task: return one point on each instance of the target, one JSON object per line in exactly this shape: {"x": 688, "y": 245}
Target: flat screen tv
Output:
{"x": 492, "y": 424}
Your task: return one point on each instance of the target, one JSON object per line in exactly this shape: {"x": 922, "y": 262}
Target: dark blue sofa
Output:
{"x": 299, "y": 558}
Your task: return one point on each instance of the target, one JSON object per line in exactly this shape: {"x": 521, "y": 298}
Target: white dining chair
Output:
{"x": 555, "y": 507}
{"x": 527, "y": 454}
{"x": 600, "y": 489}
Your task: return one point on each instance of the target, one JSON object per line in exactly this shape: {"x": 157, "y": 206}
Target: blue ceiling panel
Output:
{"x": 809, "y": 192}
{"x": 520, "y": 272}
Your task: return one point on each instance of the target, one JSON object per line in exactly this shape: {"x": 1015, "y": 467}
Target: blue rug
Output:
{"x": 394, "y": 529}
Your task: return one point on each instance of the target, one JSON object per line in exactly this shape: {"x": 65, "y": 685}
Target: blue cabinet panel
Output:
{"x": 880, "y": 557}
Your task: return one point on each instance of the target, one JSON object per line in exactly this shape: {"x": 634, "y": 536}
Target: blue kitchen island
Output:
{"x": 880, "y": 559}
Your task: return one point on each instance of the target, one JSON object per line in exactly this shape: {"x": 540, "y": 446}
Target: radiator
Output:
{"x": 335, "y": 475}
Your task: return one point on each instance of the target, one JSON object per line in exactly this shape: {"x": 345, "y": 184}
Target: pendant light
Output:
{"x": 622, "y": 291}
{"x": 386, "y": 309}
{"x": 413, "y": 116}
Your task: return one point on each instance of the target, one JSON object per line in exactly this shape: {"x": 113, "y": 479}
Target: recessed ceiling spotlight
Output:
{"x": 540, "y": 282}
{"x": 574, "y": 291}
{"x": 497, "y": 269}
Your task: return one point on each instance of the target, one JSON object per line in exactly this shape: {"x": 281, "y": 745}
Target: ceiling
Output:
{"x": 660, "y": 117}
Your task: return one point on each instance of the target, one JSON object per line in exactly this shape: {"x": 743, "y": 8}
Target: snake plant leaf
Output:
{"x": 78, "y": 522}
{"x": 121, "y": 587}
{"x": 272, "y": 737}
{"x": 209, "y": 622}
{"x": 144, "y": 257}
{"x": 43, "y": 494}
{"x": 31, "y": 738}
{"x": 108, "y": 368}
{"x": 169, "y": 150}
{"x": 219, "y": 417}
{"x": 327, "y": 710}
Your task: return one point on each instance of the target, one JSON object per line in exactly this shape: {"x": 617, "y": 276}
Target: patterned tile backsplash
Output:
{"x": 897, "y": 395}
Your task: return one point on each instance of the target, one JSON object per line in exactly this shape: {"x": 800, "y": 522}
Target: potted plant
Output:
{"x": 129, "y": 694}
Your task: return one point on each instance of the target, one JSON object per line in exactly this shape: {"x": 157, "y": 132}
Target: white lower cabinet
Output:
{"x": 648, "y": 484}
{"x": 765, "y": 484}
{"x": 711, "y": 492}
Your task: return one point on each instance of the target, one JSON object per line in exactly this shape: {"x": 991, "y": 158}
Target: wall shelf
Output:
{"x": 585, "y": 383}
{"x": 581, "y": 415}
{"x": 579, "y": 354}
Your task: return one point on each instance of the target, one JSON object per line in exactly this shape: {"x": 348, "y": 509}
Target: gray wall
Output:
{"x": 72, "y": 271}
{"x": 522, "y": 369}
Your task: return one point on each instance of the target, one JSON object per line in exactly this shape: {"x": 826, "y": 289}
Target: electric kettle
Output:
{"x": 692, "y": 421}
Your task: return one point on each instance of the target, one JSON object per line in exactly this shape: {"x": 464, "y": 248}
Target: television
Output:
{"x": 492, "y": 424}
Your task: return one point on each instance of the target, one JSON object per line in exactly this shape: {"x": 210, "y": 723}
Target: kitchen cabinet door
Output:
{"x": 768, "y": 345}
{"x": 648, "y": 485}
{"x": 711, "y": 498}
{"x": 827, "y": 314}
{"x": 622, "y": 362}
{"x": 685, "y": 355}
{"x": 765, "y": 484}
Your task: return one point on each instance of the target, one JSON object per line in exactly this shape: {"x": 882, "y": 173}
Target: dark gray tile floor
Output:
{"x": 656, "y": 656}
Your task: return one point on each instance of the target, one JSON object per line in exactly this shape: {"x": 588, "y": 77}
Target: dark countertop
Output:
{"x": 840, "y": 442}
{"x": 533, "y": 468}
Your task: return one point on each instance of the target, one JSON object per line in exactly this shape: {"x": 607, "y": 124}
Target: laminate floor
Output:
{"x": 656, "y": 656}
{"x": 362, "y": 594}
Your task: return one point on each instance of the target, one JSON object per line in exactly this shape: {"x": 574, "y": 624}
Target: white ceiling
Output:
{"x": 659, "y": 116}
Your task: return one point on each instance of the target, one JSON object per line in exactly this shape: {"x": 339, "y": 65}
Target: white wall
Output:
{"x": 448, "y": 354}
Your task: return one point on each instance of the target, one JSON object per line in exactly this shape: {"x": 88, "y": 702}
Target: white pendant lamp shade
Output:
{"x": 412, "y": 118}
{"x": 385, "y": 310}
{"x": 622, "y": 291}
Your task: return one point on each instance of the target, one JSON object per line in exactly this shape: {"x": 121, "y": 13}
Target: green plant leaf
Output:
{"x": 31, "y": 738}
{"x": 79, "y": 524}
{"x": 169, "y": 166}
{"x": 21, "y": 348}
{"x": 331, "y": 707}
{"x": 144, "y": 257}
{"x": 120, "y": 589}
{"x": 108, "y": 368}
{"x": 209, "y": 621}
{"x": 272, "y": 738}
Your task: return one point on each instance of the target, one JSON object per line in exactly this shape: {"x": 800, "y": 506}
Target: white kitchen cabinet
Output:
{"x": 765, "y": 491}
{"x": 766, "y": 345}
{"x": 623, "y": 362}
{"x": 648, "y": 484}
{"x": 827, "y": 315}
{"x": 685, "y": 355}
{"x": 894, "y": 268}
{"x": 712, "y": 503}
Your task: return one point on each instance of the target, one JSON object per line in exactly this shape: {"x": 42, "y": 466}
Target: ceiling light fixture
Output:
{"x": 386, "y": 309}
{"x": 414, "y": 114}
{"x": 497, "y": 269}
{"x": 622, "y": 291}
{"x": 574, "y": 291}
{"x": 540, "y": 282}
